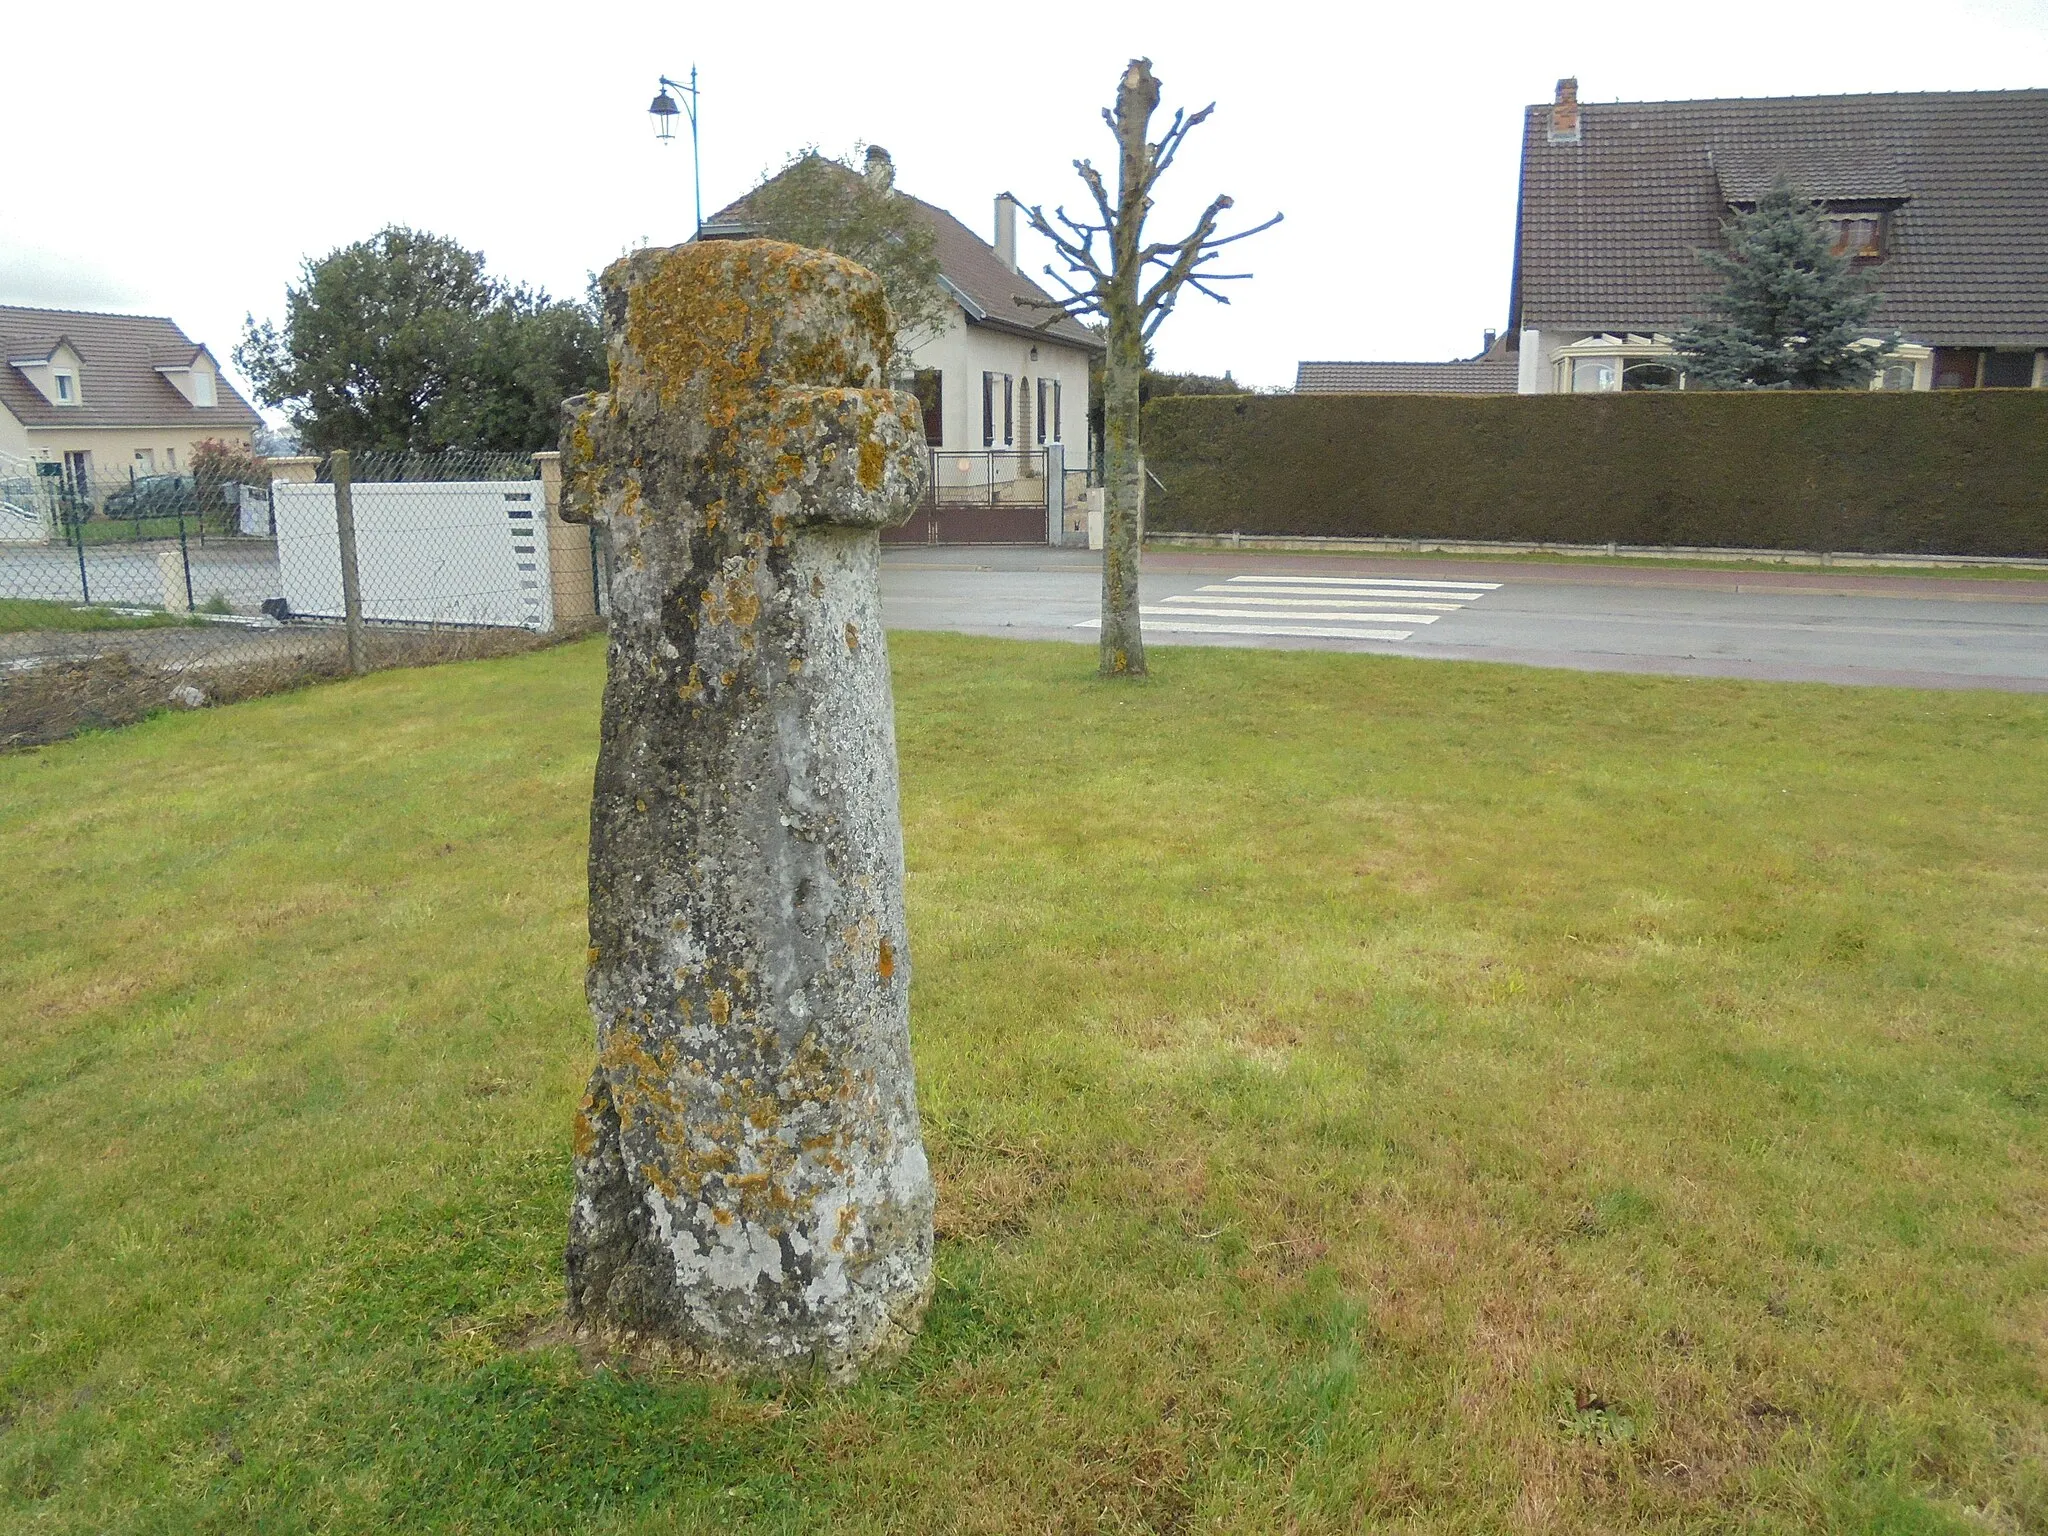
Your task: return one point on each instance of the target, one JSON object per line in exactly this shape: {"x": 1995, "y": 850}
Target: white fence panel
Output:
{"x": 24, "y": 520}
{"x": 427, "y": 552}
{"x": 252, "y": 505}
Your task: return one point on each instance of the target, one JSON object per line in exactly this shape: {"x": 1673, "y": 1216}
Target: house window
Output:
{"x": 1044, "y": 401}
{"x": 1956, "y": 367}
{"x": 1648, "y": 373}
{"x": 78, "y": 474}
{"x": 2009, "y": 370}
{"x": 202, "y": 390}
{"x": 1593, "y": 375}
{"x": 1897, "y": 374}
{"x": 998, "y": 409}
{"x": 67, "y": 389}
{"x": 1859, "y": 236}
{"x": 1056, "y": 436}
{"x": 928, "y": 384}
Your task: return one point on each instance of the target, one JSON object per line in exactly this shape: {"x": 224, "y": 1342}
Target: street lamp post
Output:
{"x": 663, "y": 110}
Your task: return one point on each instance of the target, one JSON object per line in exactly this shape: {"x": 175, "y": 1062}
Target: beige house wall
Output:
{"x": 113, "y": 449}
{"x": 14, "y": 436}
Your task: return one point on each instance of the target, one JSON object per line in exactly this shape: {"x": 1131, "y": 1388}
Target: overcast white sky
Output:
{"x": 184, "y": 160}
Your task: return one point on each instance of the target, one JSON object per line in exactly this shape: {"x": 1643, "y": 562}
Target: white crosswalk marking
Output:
{"x": 1308, "y": 631}
{"x": 1367, "y": 581}
{"x": 1185, "y": 605}
{"x": 1310, "y": 607}
{"x": 1320, "y": 600}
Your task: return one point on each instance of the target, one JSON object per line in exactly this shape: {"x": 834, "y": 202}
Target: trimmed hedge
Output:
{"x": 1961, "y": 472}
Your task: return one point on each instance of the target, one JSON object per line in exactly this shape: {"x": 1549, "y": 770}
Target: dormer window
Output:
{"x": 202, "y": 390}
{"x": 1858, "y": 236}
{"x": 67, "y": 389}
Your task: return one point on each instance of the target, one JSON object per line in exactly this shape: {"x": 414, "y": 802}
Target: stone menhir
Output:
{"x": 751, "y": 1183}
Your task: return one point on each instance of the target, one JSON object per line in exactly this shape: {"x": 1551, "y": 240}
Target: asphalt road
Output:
{"x": 1921, "y": 632}
{"x": 243, "y": 572}
{"x": 1924, "y": 632}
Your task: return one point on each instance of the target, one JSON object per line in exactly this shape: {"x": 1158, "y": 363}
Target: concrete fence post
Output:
{"x": 571, "y": 576}
{"x": 351, "y": 583}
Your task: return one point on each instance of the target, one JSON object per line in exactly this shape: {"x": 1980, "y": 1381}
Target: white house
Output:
{"x": 997, "y": 383}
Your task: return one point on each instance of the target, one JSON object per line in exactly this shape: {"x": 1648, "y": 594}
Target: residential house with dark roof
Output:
{"x": 110, "y": 395}
{"x": 1492, "y": 372}
{"x": 996, "y": 377}
{"x": 1941, "y": 197}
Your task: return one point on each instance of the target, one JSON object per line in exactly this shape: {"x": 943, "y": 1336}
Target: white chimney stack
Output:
{"x": 1006, "y": 229}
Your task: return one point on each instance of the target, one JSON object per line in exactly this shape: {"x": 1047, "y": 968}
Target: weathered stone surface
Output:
{"x": 750, "y": 1176}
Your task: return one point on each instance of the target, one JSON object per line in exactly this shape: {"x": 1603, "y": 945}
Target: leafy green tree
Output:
{"x": 404, "y": 342}
{"x": 531, "y": 353}
{"x": 1791, "y": 314}
{"x": 856, "y": 212}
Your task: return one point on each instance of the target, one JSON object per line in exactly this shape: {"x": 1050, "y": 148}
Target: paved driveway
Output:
{"x": 1928, "y": 632}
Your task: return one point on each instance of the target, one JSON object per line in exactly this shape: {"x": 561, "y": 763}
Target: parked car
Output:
{"x": 154, "y": 496}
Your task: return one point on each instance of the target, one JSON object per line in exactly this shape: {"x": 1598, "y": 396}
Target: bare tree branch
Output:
{"x": 1092, "y": 179}
{"x": 1245, "y": 234}
{"x": 1081, "y": 257}
{"x": 1170, "y": 143}
{"x": 1074, "y": 295}
{"x": 1184, "y": 263}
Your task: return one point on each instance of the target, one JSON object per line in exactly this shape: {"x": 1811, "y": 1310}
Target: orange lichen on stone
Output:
{"x": 874, "y": 459}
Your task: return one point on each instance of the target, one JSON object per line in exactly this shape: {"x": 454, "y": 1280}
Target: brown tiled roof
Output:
{"x": 1471, "y": 376}
{"x": 118, "y": 384}
{"x": 1610, "y": 227}
{"x": 989, "y": 289}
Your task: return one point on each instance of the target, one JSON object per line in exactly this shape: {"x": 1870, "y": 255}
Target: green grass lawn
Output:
{"x": 22, "y": 613}
{"x": 127, "y": 530}
{"x": 1367, "y": 1094}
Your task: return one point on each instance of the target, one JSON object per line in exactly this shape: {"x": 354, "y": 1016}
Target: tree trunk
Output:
{"x": 1123, "y": 640}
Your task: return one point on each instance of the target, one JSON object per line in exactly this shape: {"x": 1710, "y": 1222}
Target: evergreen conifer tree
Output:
{"x": 1791, "y": 314}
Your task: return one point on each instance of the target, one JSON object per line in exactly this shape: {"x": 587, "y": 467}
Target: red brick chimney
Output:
{"x": 1564, "y": 113}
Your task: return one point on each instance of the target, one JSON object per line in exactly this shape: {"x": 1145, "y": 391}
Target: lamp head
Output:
{"x": 663, "y": 110}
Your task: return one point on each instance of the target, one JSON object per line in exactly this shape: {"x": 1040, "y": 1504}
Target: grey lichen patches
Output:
{"x": 750, "y": 1177}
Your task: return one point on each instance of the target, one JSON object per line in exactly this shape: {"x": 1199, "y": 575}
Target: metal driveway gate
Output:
{"x": 991, "y": 496}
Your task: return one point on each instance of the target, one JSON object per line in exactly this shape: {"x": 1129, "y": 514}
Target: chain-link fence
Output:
{"x": 120, "y": 597}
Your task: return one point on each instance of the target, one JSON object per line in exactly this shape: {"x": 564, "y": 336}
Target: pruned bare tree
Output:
{"x": 1133, "y": 286}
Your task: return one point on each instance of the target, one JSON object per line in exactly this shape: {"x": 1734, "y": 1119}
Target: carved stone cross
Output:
{"x": 751, "y": 1181}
